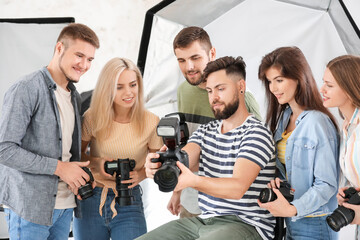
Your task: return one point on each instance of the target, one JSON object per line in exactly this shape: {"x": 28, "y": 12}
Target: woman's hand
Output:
{"x": 275, "y": 183}
{"x": 135, "y": 177}
{"x": 356, "y": 209}
{"x": 341, "y": 196}
{"x": 280, "y": 207}
{"x": 343, "y": 202}
{"x": 98, "y": 166}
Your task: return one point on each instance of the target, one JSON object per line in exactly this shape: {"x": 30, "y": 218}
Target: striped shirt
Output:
{"x": 219, "y": 152}
{"x": 350, "y": 149}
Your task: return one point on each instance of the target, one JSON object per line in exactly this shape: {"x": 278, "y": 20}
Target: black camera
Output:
{"x": 174, "y": 132}
{"x": 343, "y": 216}
{"x": 122, "y": 168}
{"x": 86, "y": 191}
{"x": 268, "y": 195}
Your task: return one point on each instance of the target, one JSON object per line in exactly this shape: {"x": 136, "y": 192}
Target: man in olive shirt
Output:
{"x": 193, "y": 50}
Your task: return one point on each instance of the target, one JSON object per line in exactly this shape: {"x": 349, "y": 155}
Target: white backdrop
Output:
{"x": 118, "y": 24}
{"x": 260, "y": 27}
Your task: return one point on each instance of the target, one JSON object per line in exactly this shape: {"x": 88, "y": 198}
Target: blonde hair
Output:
{"x": 101, "y": 106}
{"x": 346, "y": 71}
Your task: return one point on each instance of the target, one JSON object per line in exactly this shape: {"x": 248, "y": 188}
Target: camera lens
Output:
{"x": 340, "y": 217}
{"x": 86, "y": 191}
{"x": 267, "y": 195}
{"x": 167, "y": 177}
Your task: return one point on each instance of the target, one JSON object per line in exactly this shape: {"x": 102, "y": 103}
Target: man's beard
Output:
{"x": 228, "y": 110}
{"x": 197, "y": 82}
{"x": 69, "y": 79}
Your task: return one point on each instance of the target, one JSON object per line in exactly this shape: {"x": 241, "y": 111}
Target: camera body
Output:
{"x": 122, "y": 168}
{"x": 268, "y": 195}
{"x": 86, "y": 191}
{"x": 174, "y": 132}
{"x": 343, "y": 216}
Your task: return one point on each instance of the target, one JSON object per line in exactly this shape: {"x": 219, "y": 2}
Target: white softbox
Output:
{"x": 322, "y": 29}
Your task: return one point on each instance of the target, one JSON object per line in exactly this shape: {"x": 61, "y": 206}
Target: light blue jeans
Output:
{"x": 19, "y": 228}
{"x": 129, "y": 223}
{"x": 310, "y": 228}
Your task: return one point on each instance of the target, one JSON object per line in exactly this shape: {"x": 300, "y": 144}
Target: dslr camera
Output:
{"x": 173, "y": 129}
{"x": 268, "y": 195}
{"x": 343, "y": 216}
{"x": 122, "y": 168}
{"x": 86, "y": 191}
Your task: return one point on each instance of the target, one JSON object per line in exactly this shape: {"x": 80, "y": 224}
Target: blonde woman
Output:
{"x": 116, "y": 126}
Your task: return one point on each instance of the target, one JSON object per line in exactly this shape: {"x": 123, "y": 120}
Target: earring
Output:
{"x": 241, "y": 92}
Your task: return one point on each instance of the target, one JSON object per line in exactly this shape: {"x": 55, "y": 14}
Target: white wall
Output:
{"x": 118, "y": 24}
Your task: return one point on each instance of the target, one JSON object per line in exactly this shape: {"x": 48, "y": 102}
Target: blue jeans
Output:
{"x": 19, "y": 228}
{"x": 309, "y": 228}
{"x": 129, "y": 223}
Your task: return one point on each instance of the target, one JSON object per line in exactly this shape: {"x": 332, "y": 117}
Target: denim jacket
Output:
{"x": 30, "y": 146}
{"x": 311, "y": 159}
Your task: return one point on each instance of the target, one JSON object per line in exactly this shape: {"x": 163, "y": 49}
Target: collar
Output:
{"x": 288, "y": 112}
{"x": 51, "y": 83}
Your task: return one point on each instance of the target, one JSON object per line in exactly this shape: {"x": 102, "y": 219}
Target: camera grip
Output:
{"x": 87, "y": 170}
{"x": 155, "y": 160}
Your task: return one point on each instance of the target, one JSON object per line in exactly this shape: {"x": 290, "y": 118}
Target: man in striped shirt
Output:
{"x": 235, "y": 159}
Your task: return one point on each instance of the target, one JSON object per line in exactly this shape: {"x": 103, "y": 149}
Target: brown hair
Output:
{"x": 346, "y": 71}
{"x": 232, "y": 66}
{"x": 190, "y": 34}
{"x": 78, "y": 31}
{"x": 291, "y": 63}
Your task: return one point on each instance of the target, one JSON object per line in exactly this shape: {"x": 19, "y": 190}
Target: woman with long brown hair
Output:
{"x": 306, "y": 140}
{"x": 341, "y": 89}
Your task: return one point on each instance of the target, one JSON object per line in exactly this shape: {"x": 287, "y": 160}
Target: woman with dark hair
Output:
{"x": 306, "y": 145}
{"x": 341, "y": 89}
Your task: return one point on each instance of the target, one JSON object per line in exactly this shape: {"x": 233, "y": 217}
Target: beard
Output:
{"x": 228, "y": 110}
{"x": 196, "y": 81}
{"x": 68, "y": 78}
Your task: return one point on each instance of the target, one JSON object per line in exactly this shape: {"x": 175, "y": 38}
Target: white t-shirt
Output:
{"x": 64, "y": 197}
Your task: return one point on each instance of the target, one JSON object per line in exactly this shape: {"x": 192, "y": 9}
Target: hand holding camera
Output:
{"x": 283, "y": 196}
{"x": 268, "y": 195}
{"x": 86, "y": 191}
{"x": 343, "y": 216}
{"x": 122, "y": 168}
{"x": 167, "y": 175}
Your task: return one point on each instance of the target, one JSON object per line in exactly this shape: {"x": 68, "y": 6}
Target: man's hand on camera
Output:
{"x": 72, "y": 173}
{"x": 150, "y": 167}
{"x": 186, "y": 178}
{"x": 75, "y": 191}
